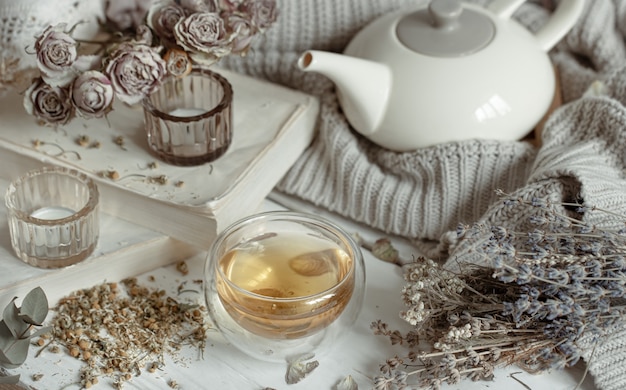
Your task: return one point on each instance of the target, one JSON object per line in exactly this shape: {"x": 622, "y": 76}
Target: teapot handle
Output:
{"x": 561, "y": 21}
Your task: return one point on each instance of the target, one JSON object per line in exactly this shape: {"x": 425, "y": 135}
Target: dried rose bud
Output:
{"x": 263, "y": 13}
{"x": 231, "y": 6}
{"x": 50, "y": 104}
{"x": 143, "y": 35}
{"x": 178, "y": 62}
{"x": 135, "y": 71}
{"x": 162, "y": 18}
{"x": 56, "y": 54}
{"x": 126, "y": 14}
{"x": 243, "y": 33}
{"x": 92, "y": 94}
{"x": 199, "y": 5}
{"x": 204, "y": 36}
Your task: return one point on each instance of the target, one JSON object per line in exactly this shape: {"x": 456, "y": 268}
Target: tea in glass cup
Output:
{"x": 283, "y": 282}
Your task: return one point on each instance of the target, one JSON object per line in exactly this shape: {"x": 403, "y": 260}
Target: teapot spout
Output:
{"x": 363, "y": 87}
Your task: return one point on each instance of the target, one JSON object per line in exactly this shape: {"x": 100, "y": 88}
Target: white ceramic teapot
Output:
{"x": 449, "y": 71}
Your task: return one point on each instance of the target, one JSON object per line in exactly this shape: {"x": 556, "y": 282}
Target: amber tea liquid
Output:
{"x": 275, "y": 284}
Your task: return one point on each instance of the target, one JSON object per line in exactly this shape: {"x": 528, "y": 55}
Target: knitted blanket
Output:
{"x": 423, "y": 195}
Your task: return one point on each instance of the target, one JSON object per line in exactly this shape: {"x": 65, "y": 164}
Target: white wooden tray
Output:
{"x": 272, "y": 127}
{"x": 124, "y": 249}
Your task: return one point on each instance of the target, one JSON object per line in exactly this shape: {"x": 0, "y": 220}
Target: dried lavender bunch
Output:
{"x": 536, "y": 299}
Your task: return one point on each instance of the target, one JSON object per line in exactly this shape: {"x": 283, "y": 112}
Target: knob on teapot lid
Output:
{"x": 445, "y": 29}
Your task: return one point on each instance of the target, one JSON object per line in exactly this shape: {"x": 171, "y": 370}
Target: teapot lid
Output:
{"x": 445, "y": 29}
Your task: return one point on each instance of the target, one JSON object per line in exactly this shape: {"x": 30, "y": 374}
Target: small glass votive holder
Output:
{"x": 281, "y": 284}
{"x": 188, "y": 120}
{"x": 53, "y": 217}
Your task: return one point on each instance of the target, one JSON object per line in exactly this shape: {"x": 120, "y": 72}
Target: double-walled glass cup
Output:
{"x": 188, "y": 120}
{"x": 53, "y": 217}
{"x": 280, "y": 284}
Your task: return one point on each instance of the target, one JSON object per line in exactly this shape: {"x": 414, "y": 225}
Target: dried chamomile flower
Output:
{"x": 119, "y": 333}
{"x": 82, "y": 140}
{"x": 182, "y": 267}
{"x": 110, "y": 174}
{"x": 120, "y": 141}
{"x": 160, "y": 179}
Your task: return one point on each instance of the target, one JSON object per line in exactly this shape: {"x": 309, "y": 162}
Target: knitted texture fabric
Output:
{"x": 423, "y": 195}
{"x": 407, "y": 194}
{"x": 21, "y": 21}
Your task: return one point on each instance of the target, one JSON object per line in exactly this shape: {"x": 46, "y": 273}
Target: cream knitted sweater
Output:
{"x": 423, "y": 195}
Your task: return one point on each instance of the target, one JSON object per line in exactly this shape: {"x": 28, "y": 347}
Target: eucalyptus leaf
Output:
{"x": 6, "y": 338}
{"x": 15, "y": 354}
{"x": 34, "y": 307}
{"x": 10, "y": 380}
{"x": 11, "y": 318}
{"x": 5, "y": 362}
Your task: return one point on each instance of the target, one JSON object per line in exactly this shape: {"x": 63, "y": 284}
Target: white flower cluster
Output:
{"x": 425, "y": 278}
{"x": 455, "y": 334}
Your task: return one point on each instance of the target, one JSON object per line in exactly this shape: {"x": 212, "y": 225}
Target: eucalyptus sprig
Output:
{"x": 18, "y": 326}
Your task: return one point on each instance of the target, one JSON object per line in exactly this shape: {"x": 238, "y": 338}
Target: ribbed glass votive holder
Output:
{"x": 53, "y": 217}
{"x": 188, "y": 120}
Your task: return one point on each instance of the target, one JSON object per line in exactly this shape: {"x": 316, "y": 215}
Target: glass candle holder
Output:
{"x": 53, "y": 217}
{"x": 188, "y": 120}
{"x": 280, "y": 284}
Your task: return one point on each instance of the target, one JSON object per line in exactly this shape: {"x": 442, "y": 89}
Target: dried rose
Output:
{"x": 48, "y": 103}
{"x": 135, "y": 71}
{"x": 243, "y": 33}
{"x": 263, "y": 13}
{"x": 204, "y": 37}
{"x": 126, "y": 14}
{"x": 143, "y": 35}
{"x": 92, "y": 94}
{"x": 56, "y": 54}
{"x": 162, "y": 18}
{"x": 199, "y": 5}
{"x": 231, "y": 6}
{"x": 178, "y": 62}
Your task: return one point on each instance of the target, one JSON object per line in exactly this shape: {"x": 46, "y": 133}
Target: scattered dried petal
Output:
{"x": 312, "y": 264}
{"x": 384, "y": 250}
{"x": 347, "y": 383}
{"x": 298, "y": 368}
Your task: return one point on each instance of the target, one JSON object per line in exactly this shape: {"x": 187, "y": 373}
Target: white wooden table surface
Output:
{"x": 359, "y": 354}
